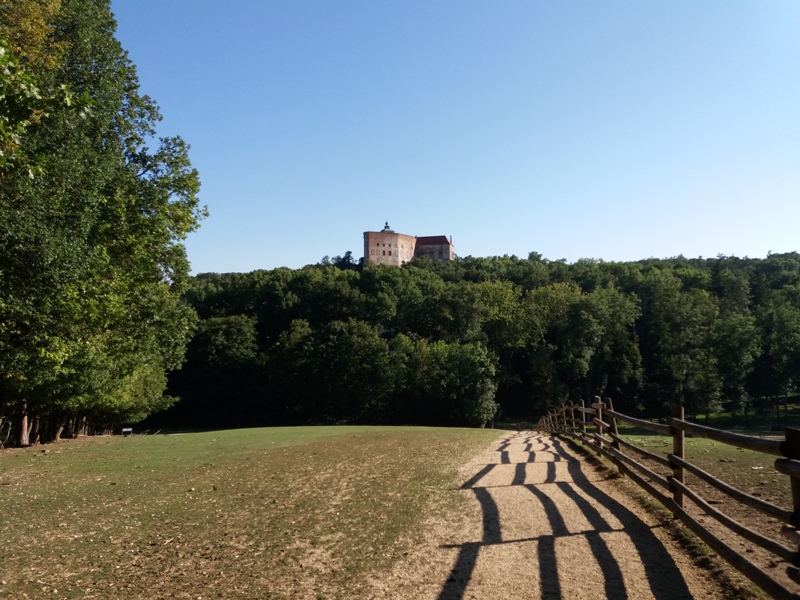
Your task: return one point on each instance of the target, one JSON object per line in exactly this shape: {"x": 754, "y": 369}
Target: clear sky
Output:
{"x": 615, "y": 130}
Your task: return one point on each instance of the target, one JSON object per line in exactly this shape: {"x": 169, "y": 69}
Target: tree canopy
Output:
{"x": 475, "y": 339}
{"x": 93, "y": 266}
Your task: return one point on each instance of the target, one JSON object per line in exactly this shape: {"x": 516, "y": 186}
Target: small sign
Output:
{"x": 126, "y": 431}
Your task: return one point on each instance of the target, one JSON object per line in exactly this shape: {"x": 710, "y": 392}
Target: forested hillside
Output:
{"x": 464, "y": 342}
{"x": 92, "y": 267}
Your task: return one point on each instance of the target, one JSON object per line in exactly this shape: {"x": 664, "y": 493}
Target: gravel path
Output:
{"x": 542, "y": 524}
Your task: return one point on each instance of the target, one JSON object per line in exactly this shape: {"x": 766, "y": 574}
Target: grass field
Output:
{"x": 254, "y": 513}
{"x": 751, "y": 472}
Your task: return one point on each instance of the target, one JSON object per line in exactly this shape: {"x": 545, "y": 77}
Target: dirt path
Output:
{"x": 542, "y": 524}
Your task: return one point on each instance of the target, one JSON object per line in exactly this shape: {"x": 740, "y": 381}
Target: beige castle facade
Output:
{"x": 386, "y": 247}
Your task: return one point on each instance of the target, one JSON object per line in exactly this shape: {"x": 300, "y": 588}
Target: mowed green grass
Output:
{"x": 306, "y": 512}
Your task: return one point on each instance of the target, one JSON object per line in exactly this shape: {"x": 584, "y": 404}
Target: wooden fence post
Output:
{"x": 612, "y": 422}
{"x": 791, "y": 449}
{"x": 583, "y": 421}
{"x": 598, "y": 407}
{"x": 679, "y": 450}
{"x": 572, "y": 419}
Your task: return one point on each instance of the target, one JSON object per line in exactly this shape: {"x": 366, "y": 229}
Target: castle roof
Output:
{"x": 432, "y": 240}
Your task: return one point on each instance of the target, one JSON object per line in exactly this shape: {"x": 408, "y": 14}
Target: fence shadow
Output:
{"x": 460, "y": 575}
{"x": 662, "y": 573}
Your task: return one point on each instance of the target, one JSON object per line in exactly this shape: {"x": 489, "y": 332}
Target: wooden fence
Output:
{"x": 597, "y": 426}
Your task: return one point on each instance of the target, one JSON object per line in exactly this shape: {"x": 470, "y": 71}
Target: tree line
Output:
{"x": 93, "y": 210}
{"x": 476, "y": 339}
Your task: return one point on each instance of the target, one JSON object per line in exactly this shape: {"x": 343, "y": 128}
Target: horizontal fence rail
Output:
{"x": 672, "y": 491}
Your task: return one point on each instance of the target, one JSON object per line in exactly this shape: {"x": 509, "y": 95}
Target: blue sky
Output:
{"x": 611, "y": 130}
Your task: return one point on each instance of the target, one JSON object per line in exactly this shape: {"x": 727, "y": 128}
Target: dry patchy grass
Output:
{"x": 267, "y": 513}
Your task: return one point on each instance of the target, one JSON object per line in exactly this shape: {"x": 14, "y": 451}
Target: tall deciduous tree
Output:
{"x": 736, "y": 346}
{"x": 776, "y": 368}
{"x": 93, "y": 264}
{"x": 675, "y": 333}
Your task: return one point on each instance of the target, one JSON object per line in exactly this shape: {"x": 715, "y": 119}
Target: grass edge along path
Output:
{"x": 301, "y": 512}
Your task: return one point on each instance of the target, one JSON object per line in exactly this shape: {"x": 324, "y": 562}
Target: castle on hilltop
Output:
{"x": 386, "y": 247}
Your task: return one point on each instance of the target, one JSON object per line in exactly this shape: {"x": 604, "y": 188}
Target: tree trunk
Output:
{"x": 7, "y": 423}
{"x": 62, "y": 421}
{"x": 35, "y": 433}
{"x": 24, "y": 439}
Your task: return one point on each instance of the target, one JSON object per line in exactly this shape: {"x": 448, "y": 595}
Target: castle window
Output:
{"x": 384, "y": 252}
{"x": 390, "y": 252}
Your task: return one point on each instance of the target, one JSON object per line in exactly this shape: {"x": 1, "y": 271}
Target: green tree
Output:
{"x": 775, "y": 369}
{"x": 602, "y": 345}
{"x": 93, "y": 264}
{"x": 736, "y": 345}
{"x": 339, "y": 373}
{"x": 675, "y": 333}
{"x": 223, "y": 379}
{"x": 547, "y": 369}
{"x": 444, "y": 384}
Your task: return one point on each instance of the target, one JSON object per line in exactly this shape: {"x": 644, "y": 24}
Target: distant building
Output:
{"x": 435, "y": 246}
{"x": 386, "y": 247}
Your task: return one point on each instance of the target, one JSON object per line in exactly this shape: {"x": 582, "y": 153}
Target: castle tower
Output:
{"x": 386, "y": 247}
